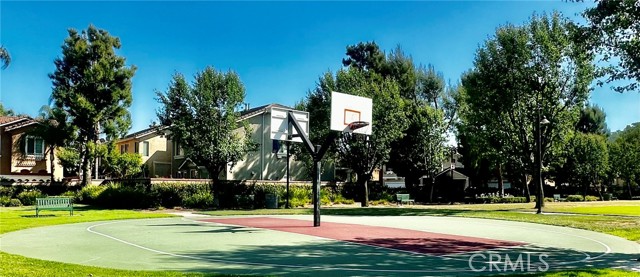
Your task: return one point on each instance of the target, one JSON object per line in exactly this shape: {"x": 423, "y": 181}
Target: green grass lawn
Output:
{"x": 12, "y": 219}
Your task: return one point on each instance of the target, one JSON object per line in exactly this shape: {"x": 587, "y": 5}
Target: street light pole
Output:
{"x": 540, "y": 197}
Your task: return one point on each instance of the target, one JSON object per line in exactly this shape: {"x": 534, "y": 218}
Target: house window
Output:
{"x": 124, "y": 148}
{"x": 145, "y": 148}
{"x": 177, "y": 150}
{"x": 34, "y": 147}
{"x": 136, "y": 147}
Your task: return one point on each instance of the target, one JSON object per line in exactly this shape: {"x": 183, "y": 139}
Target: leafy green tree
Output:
{"x": 362, "y": 154}
{"x": 614, "y": 30}
{"x": 92, "y": 85}
{"x": 518, "y": 73}
{"x": 5, "y": 112}
{"x": 120, "y": 165}
{"x": 203, "y": 119}
{"x": 420, "y": 151}
{"x": 624, "y": 156}
{"x": 592, "y": 121}
{"x": 55, "y": 130}
{"x": 69, "y": 159}
{"x": 4, "y": 57}
{"x": 588, "y": 161}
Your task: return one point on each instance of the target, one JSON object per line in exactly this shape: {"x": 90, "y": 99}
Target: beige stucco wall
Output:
{"x": 160, "y": 152}
{"x": 263, "y": 164}
{"x": 13, "y": 162}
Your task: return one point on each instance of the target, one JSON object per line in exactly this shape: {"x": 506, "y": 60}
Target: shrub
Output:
{"x": 200, "y": 199}
{"x": 7, "y": 191}
{"x": 28, "y": 198}
{"x": 4, "y": 201}
{"x": 591, "y": 198}
{"x": 497, "y": 199}
{"x": 89, "y": 194}
{"x": 71, "y": 194}
{"x": 125, "y": 197}
{"x": 15, "y": 203}
{"x": 379, "y": 202}
{"x": 575, "y": 198}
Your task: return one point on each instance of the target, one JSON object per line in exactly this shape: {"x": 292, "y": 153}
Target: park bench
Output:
{"x": 404, "y": 198}
{"x": 54, "y": 204}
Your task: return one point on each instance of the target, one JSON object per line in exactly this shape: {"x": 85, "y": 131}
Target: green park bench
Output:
{"x": 54, "y": 204}
{"x": 404, "y": 198}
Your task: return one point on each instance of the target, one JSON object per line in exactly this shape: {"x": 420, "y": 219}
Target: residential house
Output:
{"x": 23, "y": 159}
{"x": 165, "y": 158}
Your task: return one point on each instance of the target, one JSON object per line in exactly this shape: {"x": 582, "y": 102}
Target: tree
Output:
{"x": 588, "y": 161}
{"x": 69, "y": 159}
{"x": 54, "y": 129}
{"x": 4, "y": 57}
{"x": 92, "y": 85}
{"x": 614, "y": 31}
{"x": 362, "y": 154}
{"x": 6, "y": 112}
{"x": 420, "y": 151}
{"x": 624, "y": 156}
{"x": 120, "y": 165}
{"x": 518, "y": 73}
{"x": 203, "y": 118}
{"x": 592, "y": 121}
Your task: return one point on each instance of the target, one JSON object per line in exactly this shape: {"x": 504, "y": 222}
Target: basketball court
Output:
{"x": 342, "y": 245}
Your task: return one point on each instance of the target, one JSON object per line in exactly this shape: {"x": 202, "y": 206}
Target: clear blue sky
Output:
{"x": 279, "y": 49}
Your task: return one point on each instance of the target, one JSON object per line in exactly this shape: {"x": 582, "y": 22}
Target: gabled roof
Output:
{"x": 15, "y": 122}
{"x": 259, "y": 110}
{"x": 5, "y": 120}
{"x": 145, "y": 132}
{"x": 246, "y": 114}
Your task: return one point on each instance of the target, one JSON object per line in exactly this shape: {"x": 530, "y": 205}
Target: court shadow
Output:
{"x": 335, "y": 258}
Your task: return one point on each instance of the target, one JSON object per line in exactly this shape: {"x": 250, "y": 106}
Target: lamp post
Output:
{"x": 539, "y": 123}
{"x": 452, "y": 167}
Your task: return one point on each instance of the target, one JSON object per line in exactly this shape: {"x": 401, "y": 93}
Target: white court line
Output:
{"x": 90, "y": 229}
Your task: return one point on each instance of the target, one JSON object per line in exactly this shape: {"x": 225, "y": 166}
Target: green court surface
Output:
{"x": 191, "y": 244}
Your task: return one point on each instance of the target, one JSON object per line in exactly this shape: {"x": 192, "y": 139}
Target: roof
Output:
{"x": 144, "y": 132}
{"x": 15, "y": 122}
{"x": 260, "y": 110}
{"x": 4, "y": 120}
{"x": 246, "y": 114}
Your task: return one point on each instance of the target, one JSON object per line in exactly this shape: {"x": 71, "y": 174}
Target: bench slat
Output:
{"x": 54, "y": 204}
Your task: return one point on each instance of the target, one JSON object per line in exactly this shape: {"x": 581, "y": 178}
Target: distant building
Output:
{"x": 24, "y": 159}
{"x": 164, "y": 158}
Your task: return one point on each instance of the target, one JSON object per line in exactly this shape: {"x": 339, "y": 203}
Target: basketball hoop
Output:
{"x": 357, "y": 125}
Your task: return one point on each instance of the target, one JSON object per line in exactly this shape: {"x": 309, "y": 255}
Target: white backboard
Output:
{"x": 280, "y": 124}
{"x": 347, "y": 108}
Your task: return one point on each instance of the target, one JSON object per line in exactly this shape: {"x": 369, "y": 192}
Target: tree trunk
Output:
{"x": 363, "y": 181}
{"x": 86, "y": 171}
{"x": 629, "y": 187}
{"x": 527, "y": 194}
{"x": 52, "y": 156}
{"x": 500, "y": 181}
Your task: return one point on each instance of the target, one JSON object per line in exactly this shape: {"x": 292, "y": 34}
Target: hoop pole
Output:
{"x": 316, "y": 189}
{"x": 288, "y": 156}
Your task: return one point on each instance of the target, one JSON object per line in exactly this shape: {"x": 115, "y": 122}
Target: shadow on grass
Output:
{"x": 41, "y": 215}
